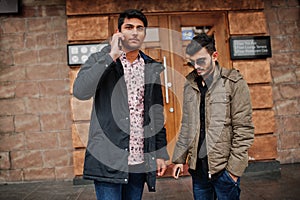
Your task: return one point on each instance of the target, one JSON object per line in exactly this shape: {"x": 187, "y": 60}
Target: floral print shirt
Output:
{"x": 134, "y": 78}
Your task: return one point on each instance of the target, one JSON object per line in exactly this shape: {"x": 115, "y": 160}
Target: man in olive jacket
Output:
{"x": 127, "y": 139}
{"x": 216, "y": 129}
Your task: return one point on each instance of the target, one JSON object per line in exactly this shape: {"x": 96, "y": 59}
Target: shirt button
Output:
{"x": 125, "y": 180}
{"x": 153, "y": 158}
{"x": 126, "y": 118}
{"x": 126, "y": 149}
{"x": 106, "y": 65}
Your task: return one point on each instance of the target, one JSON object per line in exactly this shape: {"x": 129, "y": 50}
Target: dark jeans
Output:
{"x": 114, "y": 191}
{"x": 222, "y": 187}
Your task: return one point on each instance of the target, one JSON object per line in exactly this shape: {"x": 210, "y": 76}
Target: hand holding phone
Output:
{"x": 116, "y": 45}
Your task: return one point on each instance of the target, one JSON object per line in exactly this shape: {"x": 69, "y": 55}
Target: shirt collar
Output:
{"x": 123, "y": 58}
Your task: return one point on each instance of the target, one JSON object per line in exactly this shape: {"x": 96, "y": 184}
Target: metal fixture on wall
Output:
{"x": 79, "y": 53}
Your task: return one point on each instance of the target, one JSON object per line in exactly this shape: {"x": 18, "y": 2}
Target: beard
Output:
{"x": 206, "y": 72}
{"x": 131, "y": 46}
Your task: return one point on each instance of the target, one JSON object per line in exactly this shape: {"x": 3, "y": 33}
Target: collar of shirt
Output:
{"x": 125, "y": 61}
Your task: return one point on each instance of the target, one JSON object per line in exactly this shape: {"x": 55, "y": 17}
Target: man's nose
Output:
{"x": 134, "y": 31}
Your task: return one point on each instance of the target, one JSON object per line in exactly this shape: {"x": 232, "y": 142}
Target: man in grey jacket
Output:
{"x": 216, "y": 129}
{"x": 127, "y": 139}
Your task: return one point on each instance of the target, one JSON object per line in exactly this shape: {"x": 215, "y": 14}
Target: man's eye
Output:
{"x": 140, "y": 29}
{"x": 200, "y": 61}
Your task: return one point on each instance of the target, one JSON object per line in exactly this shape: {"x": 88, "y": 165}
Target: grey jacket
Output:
{"x": 106, "y": 157}
{"x": 228, "y": 123}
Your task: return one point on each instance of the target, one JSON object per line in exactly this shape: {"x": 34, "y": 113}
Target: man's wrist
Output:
{"x": 234, "y": 177}
{"x": 113, "y": 56}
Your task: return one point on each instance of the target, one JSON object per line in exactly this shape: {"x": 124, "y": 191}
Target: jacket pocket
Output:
{"x": 219, "y": 108}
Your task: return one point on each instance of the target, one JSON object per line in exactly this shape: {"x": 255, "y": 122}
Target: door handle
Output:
{"x": 166, "y": 80}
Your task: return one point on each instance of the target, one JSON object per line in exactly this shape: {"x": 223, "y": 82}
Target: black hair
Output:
{"x": 200, "y": 41}
{"x": 132, "y": 13}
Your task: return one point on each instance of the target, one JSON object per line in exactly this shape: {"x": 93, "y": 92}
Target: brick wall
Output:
{"x": 35, "y": 118}
{"x": 284, "y": 27}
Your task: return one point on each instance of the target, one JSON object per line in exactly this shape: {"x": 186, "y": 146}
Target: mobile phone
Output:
{"x": 177, "y": 172}
{"x": 120, "y": 44}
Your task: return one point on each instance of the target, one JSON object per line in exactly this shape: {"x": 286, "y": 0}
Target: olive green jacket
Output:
{"x": 228, "y": 123}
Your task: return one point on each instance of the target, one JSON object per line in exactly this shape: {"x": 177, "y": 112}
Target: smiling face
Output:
{"x": 203, "y": 62}
{"x": 134, "y": 33}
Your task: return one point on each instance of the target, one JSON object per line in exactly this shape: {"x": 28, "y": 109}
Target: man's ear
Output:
{"x": 215, "y": 55}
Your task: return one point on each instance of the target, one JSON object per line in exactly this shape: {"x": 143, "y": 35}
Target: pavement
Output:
{"x": 273, "y": 186}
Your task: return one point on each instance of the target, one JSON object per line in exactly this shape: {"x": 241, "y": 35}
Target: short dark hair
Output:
{"x": 200, "y": 41}
{"x": 132, "y": 13}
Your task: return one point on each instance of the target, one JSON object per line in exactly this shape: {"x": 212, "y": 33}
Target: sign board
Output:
{"x": 79, "y": 53}
{"x": 187, "y": 34}
{"x": 250, "y": 47}
{"x": 10, "y": 6}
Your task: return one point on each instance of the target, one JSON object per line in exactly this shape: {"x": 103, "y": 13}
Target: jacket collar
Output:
{"x": 150, "y": 64}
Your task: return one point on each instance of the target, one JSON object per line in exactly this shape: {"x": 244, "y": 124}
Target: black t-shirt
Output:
{"x": 202, "y": 162}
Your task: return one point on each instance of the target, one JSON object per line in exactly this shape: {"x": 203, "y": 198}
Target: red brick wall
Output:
{"x": 35, "y": 118}
{"x": 284, "y": 27}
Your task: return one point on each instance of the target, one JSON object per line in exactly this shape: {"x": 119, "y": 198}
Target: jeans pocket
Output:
{"x": 230, "y": 178}
{"x": 226, "y": 188}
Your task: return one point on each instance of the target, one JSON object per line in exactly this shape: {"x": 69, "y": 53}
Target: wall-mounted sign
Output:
{"x": 187, "y": 34}
{"x": 79, "y": 53}
{"x": 250, "y": 47}
{"x": 10, "y": 6}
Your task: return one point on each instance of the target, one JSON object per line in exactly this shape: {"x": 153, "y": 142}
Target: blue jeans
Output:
{"x": 114, "y": 191}
{"x": 222, "y": 187}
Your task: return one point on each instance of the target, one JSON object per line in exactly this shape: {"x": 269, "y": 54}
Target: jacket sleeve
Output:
{"x": 242, "y": 127}
{"x": 181, "y": 148}
{"x": 87, "y": 79}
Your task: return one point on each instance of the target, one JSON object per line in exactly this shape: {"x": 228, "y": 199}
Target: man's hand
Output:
{"x": 161, "y": 166}
{"x": 176, "y": 166}
{"x": 235, "y": 178}
{"x": 115, "y": 51}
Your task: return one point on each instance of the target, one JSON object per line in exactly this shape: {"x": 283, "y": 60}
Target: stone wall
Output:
{"x": 284, "y": 28}
{"x": 35, "y": 118}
